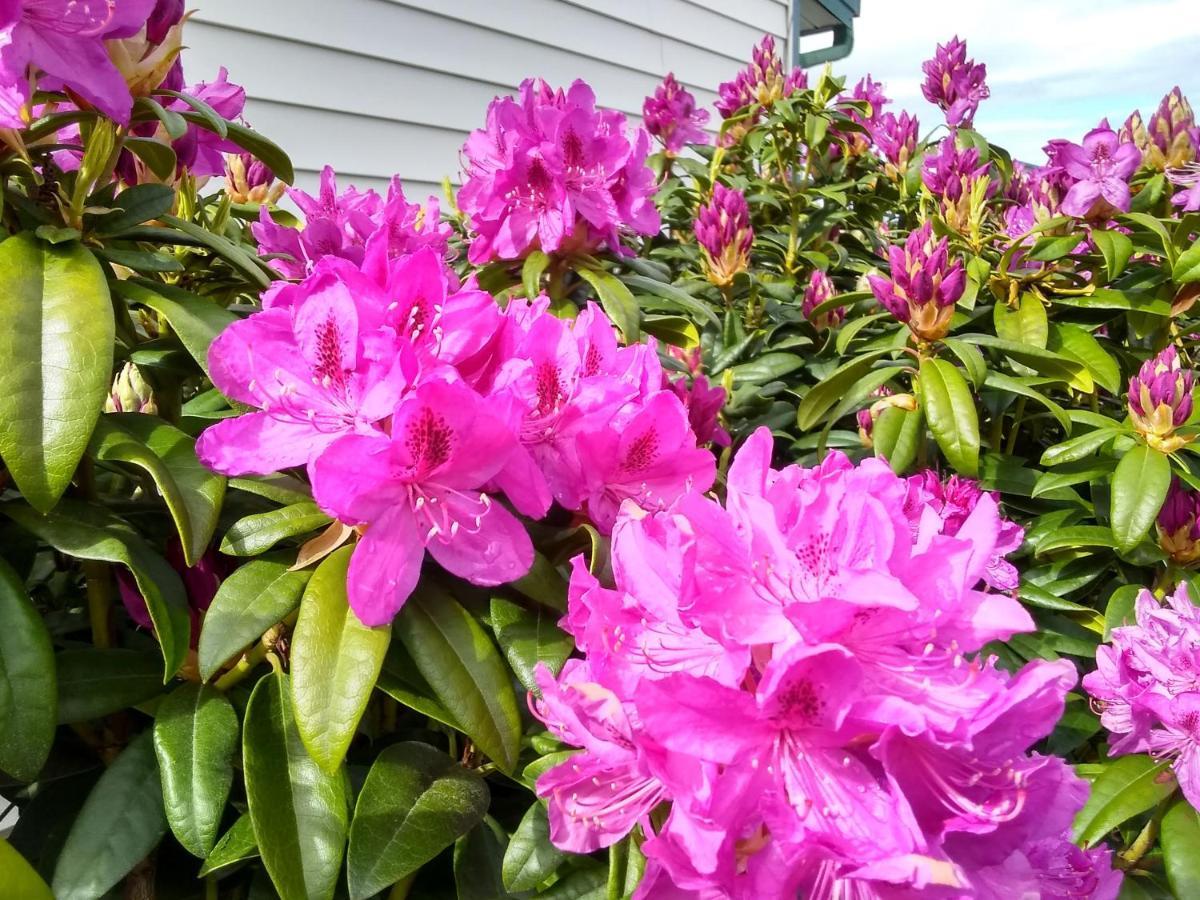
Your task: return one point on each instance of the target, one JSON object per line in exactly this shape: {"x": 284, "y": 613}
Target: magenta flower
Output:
{"x": 950, "y": 174}
{"x": 896, "y": 138}
{"x": 551, "y": 171}
{"x": 420, "y": 489}
{"x": 1179, "y": 525}
{"x": 59, "y": 45}
{"x": 315, "y": 370}
{"x": 200, "y": 151}
{"x": 955, "y": 83}
{"x": 248, "y": 180}
{"x": 1188, "y": 179}
{"x": 1147, "y": 684}
{"x": 724, "y": 233}
{"x": 762, "y": 82}
{"x": 924, "y": 286}
{"x": 1100, "y": 169}
{"x": 703, "y": 403}
{"x": 1160, "y": 400}
{"x": 405, "y": 228}
{"x": 870, "y": 92}
{"x": 820, "y": 288}
{"x": 671, "y": 116}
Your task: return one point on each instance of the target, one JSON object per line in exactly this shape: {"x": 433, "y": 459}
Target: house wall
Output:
{"x": 375, "y": 87}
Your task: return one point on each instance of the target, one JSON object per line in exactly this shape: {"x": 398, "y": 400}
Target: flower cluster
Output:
{"x": 1171, "y": 139}
{"x": 1097, "y": 172}
{"x": 759, "y": 84}
{"x": 724, "y": 233}
{"x": 1178, "y": 525}
{"x": 671, "y": 116}
{"x": 346, "y": 225}
{"x": 1161, "y": 400}
{"x": 797, "y": 672}
{"x": 954, "y": 83}
{"x": 867, "y": 107}
{"x": 924, "y": 285}
{"x": 414, "y": 403}
{"x": 896, "y": 138}
{"x": 552, "y": 172}
{"x": 1147, "y": 686}
{"x": 959, "y": 180}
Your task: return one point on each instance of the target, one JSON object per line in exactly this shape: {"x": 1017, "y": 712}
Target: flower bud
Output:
{"x": 130, "y": 393}
{"x": 1178, "y": 529}
{"x": 1172, "y": 133}
{"x": 867, "y": 418}
{"x": 924, "y": 285}
{"x": 820, "y": 289}
{"x": 954, "y": 83}
{"x": 1160, "y": 400}
{"x": 146, "y": 58}
{"x": 960, "y": 181}
{"x": 248, "y": 180}
{"x": 671, "y": 116}
{"x": 896, "y": 139}
{"x": 723, "y": 230}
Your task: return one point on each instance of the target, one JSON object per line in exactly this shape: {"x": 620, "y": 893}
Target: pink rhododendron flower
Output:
{"x": 1100, "y": 169}
{"x": 952, "y": 176}
{"x": 896, "y": 139}
{"x": 924, "y": 286}
{"x": 1171, "y": 137}
{"x": 820, "y": 288}
{"x": 870, "y": 92}
{"x": 671, "y": 116}
{"x": 1178, "y": 525}
{"x": 1161, "y": 399}
{"x": 1188, "y": 179}
{"x": 200, "y": 151}
{"x": 551, "y": 171}
{"x": 955, "y": 83}
{"x": 420, "y": 489}
{"x": 703, "y": 403}
{"x": 798, "y": 673}
{"x": 725, "y": 235}
{"x": 762, "y": 82}
{"x": 1147, "y": 685}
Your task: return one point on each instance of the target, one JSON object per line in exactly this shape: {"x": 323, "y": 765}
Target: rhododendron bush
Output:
{"x": 780, "y": 500}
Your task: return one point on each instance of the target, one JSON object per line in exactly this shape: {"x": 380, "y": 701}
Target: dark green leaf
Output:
{"x": 136, "y": 205}
{"x": 57, "y": 347}
{"x": 232, "y": 253}
{"x": 299, "y": 812}
{"x": 464, "y": 669}
{"x": 950, "y": 409}
{"x": 197, "y": 320}
{"x": 529, "y": 637}
{"x": 1002, "y": 382}
{"x": 120, "y": 823}
{"x": 260, "y": 532}
{"x": 674, "y": 297}
{"x": 477, "y": 859}
{"x": 251, "y": 141}
{"x": 1116, "y": 249}
{"x": 615, "y": 298}
{"x": 195, "y": 738}
{"x": 1128, "y": 785}
{"x": 159, "y": 157}
{"x": 335, "y": 660}
{"x": 28, "y": 684}
{"x": 415, "y": 802}
{"x": 824, "y": 395}
{"x": 401, "y": 681}
{"x": 1079, "y": 447}
{"x": 531, "y": 858}
{"x": 94, "y": 683}
{"x": 236, "y": 845}
{"x": 1139, "y": 487}
{"x": 767, "y": 367}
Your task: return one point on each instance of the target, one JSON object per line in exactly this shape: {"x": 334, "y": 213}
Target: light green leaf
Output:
{"x": 678, "y": 331}
{"x": 1120, "y": 608}
{"x": 950, "y": 410}
{"x": 1116, "y": 249}
{"x": 897, "y": 435}
{"x": 1079, "y": 447}
{"x": 1139, "y": 487}
{"x": 1187, "y": 268}
{"x": 531, "y": 273}
{"x": 197, "y": 320}
{"x": 260, "y": 532}
{"x": 1180, "y": 837}
{"x": 57, "y": 348}
{"x": 236, "y": 845}
{"x": 1078, "y": 343}
{"x": 1128, "y": 785}
{"x": 28, "y": 682}
{"x": 823, "y": 396}
{"x": 335, "y": 660}
{"x": 21, "y": 880}
{"x": 1027, "y": 324}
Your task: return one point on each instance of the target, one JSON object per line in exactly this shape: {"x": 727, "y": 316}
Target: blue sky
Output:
{"x": 1055, "y": 67}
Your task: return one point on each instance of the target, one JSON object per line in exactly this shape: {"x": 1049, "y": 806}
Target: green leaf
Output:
{"x": 415, "y": 802}
{"x": 1078, "y": 343}
{"x": 335, "y": 660}
{"x": 1116, "y": 249}
{"x": 1079, "y": 447}
{"x": 1078, "y": 536}
{"x": 262, "y": 149}
{"x": 1120, "y": 608}
{"x": 298, "y": 810}
{"x": 94, "y": 683}
{"x": 1139, "y": 487}
{"x": 590, "y": 883}
{"x": 767, "y": 367}
{"x": 192, "y": 492}
{"x": 531, "y": 273}
{"x": 159, "y": 157}
{"x": 135, "y": 205}
{"x": 531, "y": 858}
{"x": 1107, "y": 298}
{"x": 1187, "y": 267}
{"x": 196, "y": 320}
{"x": 465, "y": 671}
{"x": 260, "y": 532}
{"x": 57, "y": 347}
{"x": 21, "y": 880}
{"x": 829, "y": 391}
{"x": 88, "y": 532}
{"x": 28, "y": 682}
{"x": 401, "y": 681}
{"x": 950, "y": 409}
{"x": 195, "y": 739}
{"x": 252, "y": 599}
{"x": 1179, "y": 834}
{"x": 1128, "y": 785}
{"x": 232, "y": 253}
{"x": 616, "y": 300}
{"x": 674, "y": 298}
{"x": 477, "y": 859}
{"x": 972, "y": 360}
{"x": 897, "y": 435}
{"x": 236, "y": 845}
{"x": 1053, "y": 365}
{"x": 122, "y": 820}
{"x": 1053, "y": 246}
{"x": 529, "y": 637}
{"x": 678, "y": 331}
{"x": 1083, "y": 472}
{"x": 1001, "y": 382}
{"x": 1027, "y": 324}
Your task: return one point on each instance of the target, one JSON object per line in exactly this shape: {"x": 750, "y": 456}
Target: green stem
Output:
{"x": 401, "y": 888}
{"x": 618, "y": 859}
{"x": 1012, "y": 435}
{"x": 1132, "y": 854}
{"x": 100, "y": 598}
{"x": 242, "y": 667}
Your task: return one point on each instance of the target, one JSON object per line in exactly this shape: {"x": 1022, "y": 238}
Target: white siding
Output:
{"x": 376, "y": 87}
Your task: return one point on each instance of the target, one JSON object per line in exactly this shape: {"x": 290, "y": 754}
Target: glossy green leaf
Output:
{"x": 122, "y": 820}
{"x": 616, "y": 300}
{"x": 1078, "y": 536}
{"x": 767, "y": 367}
{"x": 588, "y": 883}
{"x": 1046, "y": 362}
{"x": 478, "y": 856}
{"x": 28, "y": 682}
{"x": 1187, "y": 266}
{"x": 1078, "y": 447}
{"x": 88, "y": 532}
{"x": 531, "y": 273}
{"x": 673, "y": 297}
{"x": 529, "y": 637}
{"x": 415, "y": 802}
{"x": 1139, "y": 486}
{"x": 196, "y": 320}
{"x": 260, "y": 532}
{"x": 252, "y": 599}
{"x": 258, "y": 146}
{"x": 21, "y": 881}
{"x": 298, "y": 810}
{"x": 1179, "y": 833}
{"x": 950, "y": 410}
{"x": 531, "y": 858}
{"x": 1120, "y": 608}
{"x": 677, "y": 331}
{"x": 821, "y": 397}
{"x": 234, "y": 254}
{"x": 1027, "y": 324}
{"x": 235, "y": 846}
{"x": 1128, "y": 785}
{"x": 897, "y": 436}
{"x": 93, "y": 683}
{"x": 1083, "y": 472}
{"x": 192, "y": 492}
{"x": 1000, "y": 381}
{"x": 1116, "y": 249}
{"x": 57, "y": 347}
{"x": 464, "y": 669}
{"x": 973, "y": 362}
{"x": 401, "y": 681}
{"x": 159, "y": 157}
{"x": 335, "y": 660}
{"x": 1053, "y": 246}
{"x": 195, "y": 739}
{"x": 1078, "y": 343}
{"x": 136, "y": 205}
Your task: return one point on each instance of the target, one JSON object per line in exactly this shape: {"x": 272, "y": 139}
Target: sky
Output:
{"x": 1055, "y": 67}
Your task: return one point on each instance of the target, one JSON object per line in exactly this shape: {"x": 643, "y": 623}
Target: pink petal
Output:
{"x": 259, "y": 444}
{"x": 385, "y": 568}
{"x": 495, "y": 549}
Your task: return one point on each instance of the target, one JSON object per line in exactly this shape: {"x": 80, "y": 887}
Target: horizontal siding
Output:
{"x": 374, "y": 87}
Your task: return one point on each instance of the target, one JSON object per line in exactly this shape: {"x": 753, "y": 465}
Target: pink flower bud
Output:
{"x": 924, "y": 285}
{"x": 723, "y": 230}
{"x": 1160, "y": 400}
{"x": 955, "y": 83}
